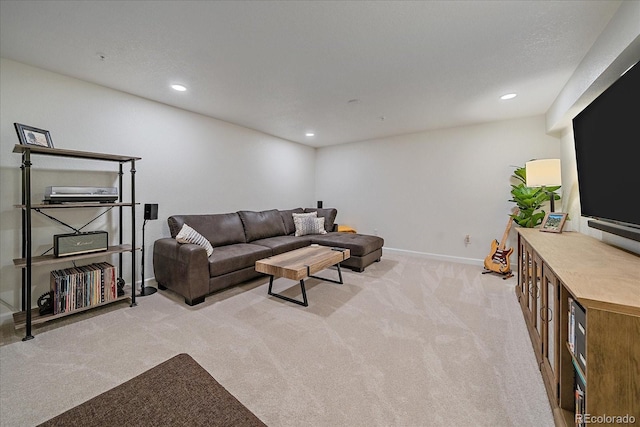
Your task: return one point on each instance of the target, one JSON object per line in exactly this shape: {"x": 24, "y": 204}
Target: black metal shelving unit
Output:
{"x": 28, "y": 317}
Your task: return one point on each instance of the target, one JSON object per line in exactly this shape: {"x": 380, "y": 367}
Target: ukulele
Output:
{"x": 498, "y": 259}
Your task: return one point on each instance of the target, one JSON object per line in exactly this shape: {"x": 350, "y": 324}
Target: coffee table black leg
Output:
{"x": 339, "y": 282}
{"x": 304, "y": 294}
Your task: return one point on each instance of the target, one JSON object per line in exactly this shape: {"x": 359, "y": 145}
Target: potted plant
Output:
{"x": 529, "y": 200}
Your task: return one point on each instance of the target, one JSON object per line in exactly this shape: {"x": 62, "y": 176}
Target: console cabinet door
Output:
{"x": 535, "y": 298}
{"x": 521, "y": 287}
{"x": 549, "y": 313}
{"x": 530, "y": 282}
{"x": 527, "y": 282}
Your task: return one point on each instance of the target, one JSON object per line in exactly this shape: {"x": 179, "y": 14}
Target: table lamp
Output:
{"x": 544, "y": 173}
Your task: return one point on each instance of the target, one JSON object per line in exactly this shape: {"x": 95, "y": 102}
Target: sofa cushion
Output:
{"x": 281, "y": 244}
{"x": 329, "y": 215}
{"x": 219, "y": 229}
{"x": 260, "y": 225}
{"x": 189, "y": 235}
{"x": 358, "y": 244}
{"x": 287, "y": 218}
{"x": 230, "y": 258}
{"x": 306, "y": 224}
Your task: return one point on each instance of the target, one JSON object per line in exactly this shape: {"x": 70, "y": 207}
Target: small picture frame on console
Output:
{"x": 553, "y": 222}
{"x": 28, "y": 135}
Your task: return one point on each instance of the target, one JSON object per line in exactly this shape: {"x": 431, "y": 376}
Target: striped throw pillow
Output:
{"x": 189, "y": 235}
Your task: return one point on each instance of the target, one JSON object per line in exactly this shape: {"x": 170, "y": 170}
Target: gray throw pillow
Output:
{"x": 308, "y": 223}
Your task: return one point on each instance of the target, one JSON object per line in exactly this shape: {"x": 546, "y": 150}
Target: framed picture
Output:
{"x": 29, "y": 135}
{"x": 553, "y": 222}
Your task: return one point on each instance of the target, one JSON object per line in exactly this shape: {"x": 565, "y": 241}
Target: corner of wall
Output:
{"x": 615, "y": 50}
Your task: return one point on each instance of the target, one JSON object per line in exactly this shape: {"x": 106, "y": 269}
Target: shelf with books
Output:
{"x": 20, "y": 318}
{"x": 30, "y": 316}
{"x": 577, "y": 335}
{"x": 576, "y": 365}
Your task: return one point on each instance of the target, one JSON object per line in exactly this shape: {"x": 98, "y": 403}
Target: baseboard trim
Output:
{"x": 439, "y": 257}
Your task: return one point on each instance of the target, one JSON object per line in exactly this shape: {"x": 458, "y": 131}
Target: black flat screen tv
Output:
{"x": 607, "y": 143}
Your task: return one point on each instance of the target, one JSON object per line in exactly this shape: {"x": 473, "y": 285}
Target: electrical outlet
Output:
{"x": 375, "y": 231}
{"x": 467, "y": 239}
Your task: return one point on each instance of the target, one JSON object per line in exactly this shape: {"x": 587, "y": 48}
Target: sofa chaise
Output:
{"x": 238, "y": 240}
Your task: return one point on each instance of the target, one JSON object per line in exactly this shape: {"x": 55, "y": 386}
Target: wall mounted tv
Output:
{"x": 607, "y": 142}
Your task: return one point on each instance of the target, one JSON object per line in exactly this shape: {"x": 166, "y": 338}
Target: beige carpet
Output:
{"x": 409, "y": 342}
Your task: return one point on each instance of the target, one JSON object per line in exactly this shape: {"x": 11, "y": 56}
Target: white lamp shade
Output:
{"x": 544, "y": 172}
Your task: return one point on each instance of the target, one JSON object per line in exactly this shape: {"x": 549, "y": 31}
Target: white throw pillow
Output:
{"x": 308, "y": 224}
{"x": 189, "y": 235}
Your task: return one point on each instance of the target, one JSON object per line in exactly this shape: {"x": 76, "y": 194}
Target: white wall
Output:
{"x": 615, "y": 50}
{"x": 425, "y": 192}
{"x": 190, "y": 163}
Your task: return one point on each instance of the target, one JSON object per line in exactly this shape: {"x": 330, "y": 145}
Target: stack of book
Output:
{"x": 80, "y": 287}
{"x": 577, "y": 345}
{"x": 578, "y": 333}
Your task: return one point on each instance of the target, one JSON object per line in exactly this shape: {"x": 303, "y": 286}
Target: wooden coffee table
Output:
{"x": 300, "y": 264}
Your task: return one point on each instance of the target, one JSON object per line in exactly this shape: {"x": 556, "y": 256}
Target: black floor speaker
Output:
{"x": 150, "y": 211}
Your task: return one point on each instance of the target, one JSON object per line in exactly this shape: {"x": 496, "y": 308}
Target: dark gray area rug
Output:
{"x": 177, "y": 392}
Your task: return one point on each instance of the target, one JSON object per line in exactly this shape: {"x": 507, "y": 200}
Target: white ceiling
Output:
{"x": 288, "y": 67}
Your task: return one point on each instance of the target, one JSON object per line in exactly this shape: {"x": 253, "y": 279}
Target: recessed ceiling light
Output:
{"x": 310, "y": 134}
{"x": 508, "y": 96}
{"x": 179, "y": 88}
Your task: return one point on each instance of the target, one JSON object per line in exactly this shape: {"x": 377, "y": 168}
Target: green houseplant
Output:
{"x": 529, "y": 200}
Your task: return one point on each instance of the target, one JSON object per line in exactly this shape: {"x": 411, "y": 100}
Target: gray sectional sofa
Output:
{"x": 239, "y": 239}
